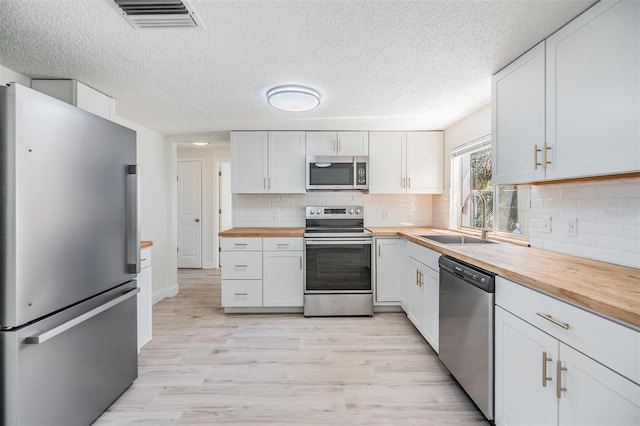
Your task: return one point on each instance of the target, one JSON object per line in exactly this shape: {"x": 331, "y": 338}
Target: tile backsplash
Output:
{"x": 606, "y": 215}
{"x": 289, "y": 210}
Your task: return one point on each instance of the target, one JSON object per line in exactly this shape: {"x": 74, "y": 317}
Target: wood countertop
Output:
{"x": 263, "y": 232}
{"x": 609, "y": 289}
{"x": 145, "y": 244}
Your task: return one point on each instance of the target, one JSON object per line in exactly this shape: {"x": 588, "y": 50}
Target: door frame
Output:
{"x": 202, "y": 218}
{"x": 216, "y": 209}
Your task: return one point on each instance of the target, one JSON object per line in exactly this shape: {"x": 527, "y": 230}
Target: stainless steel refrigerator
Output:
{"x": 69, "y": 253}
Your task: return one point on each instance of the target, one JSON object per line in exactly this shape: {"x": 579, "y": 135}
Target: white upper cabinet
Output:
{"x": 78, "y": 94}
{"x": 593, "y": 93}
{"x": 518, "y": 119}
{"x": 337, "y": 143}
{"x": 405, "y": 162}
{"x": 570, "y": 107}
{"x": 267, "y": 162}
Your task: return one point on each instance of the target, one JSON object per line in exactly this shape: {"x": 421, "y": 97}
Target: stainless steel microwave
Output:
{"x": 337, "y": 173}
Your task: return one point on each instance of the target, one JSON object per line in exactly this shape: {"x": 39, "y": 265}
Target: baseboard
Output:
{"x": 165, "y": 292}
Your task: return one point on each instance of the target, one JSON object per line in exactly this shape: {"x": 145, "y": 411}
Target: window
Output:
{"x": 507, "y": 206}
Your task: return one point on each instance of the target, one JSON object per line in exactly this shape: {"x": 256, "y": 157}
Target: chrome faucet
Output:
{"x": 475, "y": 192}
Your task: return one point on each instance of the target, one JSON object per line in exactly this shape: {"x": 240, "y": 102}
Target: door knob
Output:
{"x": 197, "y": 220}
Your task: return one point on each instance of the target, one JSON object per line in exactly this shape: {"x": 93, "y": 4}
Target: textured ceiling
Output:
{"x": 379, "y": 65}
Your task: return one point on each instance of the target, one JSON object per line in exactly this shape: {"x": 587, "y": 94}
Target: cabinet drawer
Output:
{"x": 241, "y": 244}
{"x": 424, "y": 255}
{"x": 612, "y": 344}
{"x": 281, "y": 243}
{"x": 241, "y": 266}
{"x": 145, "y": 257}
{"x": 241, "y": 293}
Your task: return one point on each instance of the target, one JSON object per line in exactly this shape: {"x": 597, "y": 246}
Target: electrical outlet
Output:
{"x": 385, "y": 215}
{"x": 276, "y": 215}
{"x": 572, "y": 227}
{"x": 546, "y": 224}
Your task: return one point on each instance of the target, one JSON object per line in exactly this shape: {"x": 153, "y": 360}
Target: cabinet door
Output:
{"x": 387, "y": 162}
{"x": 518, "y": 108}
{"x": 430, "y": 306}
{"x": 282, "y": 281}
{"x": 144, "y": 307}
{"x": 353, "y": 143}
{"x": 414, "y": 292}
{"x": 520, "y": 396}
{"x": 595, "y": 395}
{"x": 390, "y": 260}
{"x": 286, "y": 163}
{"x": 321, "y": 143}
{"x": 593, "y": 93}
{"x": 249, "y": 162}
{"x": 424, "y": 162}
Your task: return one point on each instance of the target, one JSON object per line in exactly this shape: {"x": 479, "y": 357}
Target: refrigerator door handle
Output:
{"x": 133, "y": 240}
{"x": 49, "y": 334}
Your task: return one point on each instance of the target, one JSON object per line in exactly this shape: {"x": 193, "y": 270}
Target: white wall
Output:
{"x": 155, "y": 213}
{"x": 473, "y": 126}
{"x": 289, "y": 210}
{"x": 210, "y": 157}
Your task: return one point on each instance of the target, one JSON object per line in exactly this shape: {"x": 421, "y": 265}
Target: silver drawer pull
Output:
{"x": 49, "y": 334}
{"x": 548, "y": 317}
{"x": 240, "y": 244}
{"x": 283, "y": 245}
{"x": 143, "y": 259}
{"x": 241, "y": 294}
{"x": 239, "y": 266}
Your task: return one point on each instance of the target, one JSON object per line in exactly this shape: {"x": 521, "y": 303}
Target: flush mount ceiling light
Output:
{"x": 293, "y": 98}
{"x": 201, "y": 143}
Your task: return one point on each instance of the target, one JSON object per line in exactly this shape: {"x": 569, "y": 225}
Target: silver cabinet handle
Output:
{"x": 301, "y": 263}
{"x": 559, "y": 388}
{"x": 264, "y": 183}
{"x": 409, "y": 183}
{"x": 282, "y": 244}
{"x": 132, "y": 230}
{"x": 379, "y": 251}
{"x": 239, "y": 266}
{"x": 240, "y": 244}
{"x": 545, "y": 379}
{"x": 241, "y": 294}
{"x": 548, "y": 317}
{"x": 338, "y": 146}
{"x": 49, "y": 334}
{"x": 404, "y": 180}
{"x": 143, "y": 259}
{"x": 545, "y": 148}
{"x": 536, "y": 150}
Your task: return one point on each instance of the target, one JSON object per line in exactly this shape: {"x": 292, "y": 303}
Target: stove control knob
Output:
{"x": 358, "y": 210}
{"x": 350, "y": 211}
{"x": 318, "y": 210}
{"x": 311, "y": 211}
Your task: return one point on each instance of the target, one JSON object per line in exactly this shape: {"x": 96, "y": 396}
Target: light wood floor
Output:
{"x": 205, "y": 367}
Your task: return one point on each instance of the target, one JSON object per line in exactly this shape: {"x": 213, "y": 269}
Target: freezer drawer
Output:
{"x": 68, "y": 368}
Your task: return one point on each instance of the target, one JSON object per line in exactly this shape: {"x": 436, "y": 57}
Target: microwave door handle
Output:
{"x": 355, "y": 172}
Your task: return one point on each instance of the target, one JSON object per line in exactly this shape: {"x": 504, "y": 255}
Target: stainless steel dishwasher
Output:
{"x": 466, "y": 328}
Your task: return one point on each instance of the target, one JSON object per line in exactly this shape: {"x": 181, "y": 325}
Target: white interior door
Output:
{"x": 189, "y": 214}
{"x": 224, "y": 198}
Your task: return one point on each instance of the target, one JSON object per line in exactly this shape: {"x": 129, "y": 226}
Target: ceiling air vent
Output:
{"x": 144, "y": 14}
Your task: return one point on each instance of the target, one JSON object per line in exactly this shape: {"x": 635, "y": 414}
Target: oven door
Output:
{"x": 337, "y": 265}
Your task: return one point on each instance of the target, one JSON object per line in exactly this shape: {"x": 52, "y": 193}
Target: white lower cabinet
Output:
{"x": 391, "y": 257}
{"x": 262, "y": 272}
{"x": 541, "y": 380}
{"x": 422, "y": 290}
{"x": 145, "y": 305}
{"x": 282, "y": 277}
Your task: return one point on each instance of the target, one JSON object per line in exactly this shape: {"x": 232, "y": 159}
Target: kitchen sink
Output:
{"x": 456, "y": 239}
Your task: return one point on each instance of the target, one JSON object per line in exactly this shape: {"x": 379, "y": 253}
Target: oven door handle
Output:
{"x": 333, "y": 242}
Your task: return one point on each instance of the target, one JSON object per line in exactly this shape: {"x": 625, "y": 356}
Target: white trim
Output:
{"x": 165, "y": 292}
{"x": 471, "y": 146}
{"x": 208, "y": 265}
